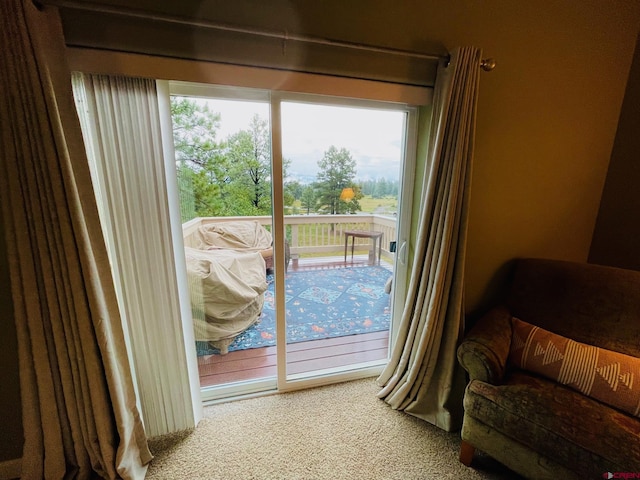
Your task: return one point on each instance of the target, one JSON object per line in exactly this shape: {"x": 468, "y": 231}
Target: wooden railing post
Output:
{"x": 294, "y": 245}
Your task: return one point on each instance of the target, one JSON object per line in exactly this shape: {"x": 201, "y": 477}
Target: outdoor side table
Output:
{"x": 376, "y": 237}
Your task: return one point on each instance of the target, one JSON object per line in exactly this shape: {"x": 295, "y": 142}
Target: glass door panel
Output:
{"x": 342, "y": 166}
{"x": 222, "y": 140}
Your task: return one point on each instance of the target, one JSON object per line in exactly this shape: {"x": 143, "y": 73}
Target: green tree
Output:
{"x": 249, "y": 155}
{"x": 294, "y": 188}
{"x": 368, "y": 187}
{"x": 194, "y": 132}
{"x": 222, "y": 178}
{"x": 353, "y": 206}
{"x": 185, "y": 190}
{"x": 202, "y": 170}
{"x": 207, "y": 197}
{"x": 337, "y": 171}
{"x": 308, "y": 199}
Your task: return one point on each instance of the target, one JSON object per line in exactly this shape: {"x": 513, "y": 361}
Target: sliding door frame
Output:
{"x": 283, "y": 381}
{"x": 248, "y": 388}
{"x": 288, "y": 382}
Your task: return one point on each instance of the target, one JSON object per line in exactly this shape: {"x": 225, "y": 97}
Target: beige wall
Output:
{"x": 547, "y": 115}
{"x": 616, "y": 239}
{"x": 546, "y": 123}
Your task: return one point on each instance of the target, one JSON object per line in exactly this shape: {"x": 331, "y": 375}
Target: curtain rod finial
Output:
{"x": 488, "y": 64}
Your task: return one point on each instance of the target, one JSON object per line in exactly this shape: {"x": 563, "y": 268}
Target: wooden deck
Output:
{"x": 303, "y": 357}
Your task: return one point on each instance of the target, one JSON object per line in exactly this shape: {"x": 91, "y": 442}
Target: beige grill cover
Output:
{"x": 227, "y": 291}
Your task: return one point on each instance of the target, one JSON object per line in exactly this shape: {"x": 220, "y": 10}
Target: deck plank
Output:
{"x": 307, "y": 357}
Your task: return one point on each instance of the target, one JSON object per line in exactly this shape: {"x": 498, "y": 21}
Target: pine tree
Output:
{"x": 337, "y": 171}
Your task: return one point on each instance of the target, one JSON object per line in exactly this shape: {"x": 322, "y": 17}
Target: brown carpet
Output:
{"x": 336, "y": 432}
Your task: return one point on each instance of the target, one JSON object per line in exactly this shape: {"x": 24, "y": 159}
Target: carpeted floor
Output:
{"x": 336, "y": 432}
{"x": 320, "y": 304}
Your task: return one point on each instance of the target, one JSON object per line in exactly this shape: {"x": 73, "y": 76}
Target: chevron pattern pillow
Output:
{"x": 609, "y": 377}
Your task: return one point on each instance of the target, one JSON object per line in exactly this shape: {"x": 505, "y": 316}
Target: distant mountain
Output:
{"x": 303, "y": 178}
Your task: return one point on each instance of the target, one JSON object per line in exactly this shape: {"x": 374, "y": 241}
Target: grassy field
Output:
{"x": 384, "y": 206}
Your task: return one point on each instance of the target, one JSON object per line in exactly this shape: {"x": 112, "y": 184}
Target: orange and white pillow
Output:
{"x": 610, "y": 377}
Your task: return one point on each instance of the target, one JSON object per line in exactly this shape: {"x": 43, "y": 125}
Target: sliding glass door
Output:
{"x": 343, "y": 164}
{"x": 222, "y": 142}
{"x": 291, "y": 208}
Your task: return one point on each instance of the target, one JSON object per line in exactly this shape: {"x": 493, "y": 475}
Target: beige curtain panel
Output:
{"x": 79, "y": 408}
{"x": 122, "y": 129}
{"x": 423, "y": 377}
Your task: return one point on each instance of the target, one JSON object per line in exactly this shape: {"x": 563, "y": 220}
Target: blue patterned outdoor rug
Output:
{"x": 320, "y": 304}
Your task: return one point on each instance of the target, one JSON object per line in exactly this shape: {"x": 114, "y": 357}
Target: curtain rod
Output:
{"x": 485, "y": 64}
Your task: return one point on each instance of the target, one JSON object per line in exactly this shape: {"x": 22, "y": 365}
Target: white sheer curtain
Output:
{"x": 78, "y": 404}
{"x": 120, "y": 119}
{"x": 423, "y": 377}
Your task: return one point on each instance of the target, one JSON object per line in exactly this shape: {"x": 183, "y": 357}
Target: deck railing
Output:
{"x": 317, "y": 234}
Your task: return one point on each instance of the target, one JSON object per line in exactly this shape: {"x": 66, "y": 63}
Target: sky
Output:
{"x": 373, "y": 137}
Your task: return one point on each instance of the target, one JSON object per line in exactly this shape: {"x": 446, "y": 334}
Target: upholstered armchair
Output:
{"x": 554, "y": 373}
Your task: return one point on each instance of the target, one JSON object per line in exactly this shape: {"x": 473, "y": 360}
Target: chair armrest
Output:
{"x": 483, "y": 352}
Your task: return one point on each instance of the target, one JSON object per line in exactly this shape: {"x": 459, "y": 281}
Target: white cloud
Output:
{"x": 374, "y": 137}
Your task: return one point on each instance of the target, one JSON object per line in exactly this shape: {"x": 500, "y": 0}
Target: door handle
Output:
{"x": 402, "y": 253}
